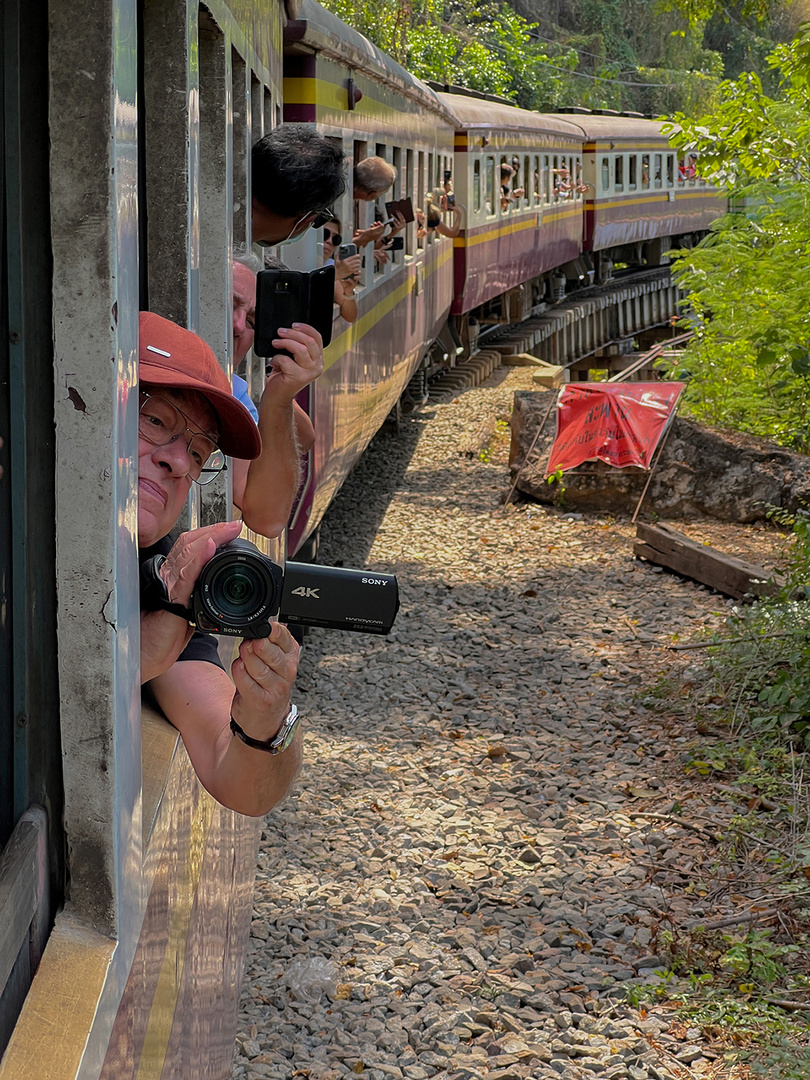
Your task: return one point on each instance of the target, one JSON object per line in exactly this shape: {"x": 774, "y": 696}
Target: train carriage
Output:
{"x": 337, "y": 80}
{"x": 125, "y": 889}
{"x": 502, "y": 246}
{"x": 639, "y": 193}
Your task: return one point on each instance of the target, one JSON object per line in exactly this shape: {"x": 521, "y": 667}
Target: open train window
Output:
{"x": 605, "y": 174}
{"x": 537, "y": 181}
{"x": 410, "y": 231}
{"x": 491, "y": 205}
{"x": 632, "y": 172}
{"x": 476, "y": 186}
{"x": 658, "y": 179}
{"x": 645, "y": 170}
{"x": 396, "y": 193}
{"x": 546, "y": 179}
{"x": 619, "y": 174}
{"x": 526, "y": 181}
{"x": 670, "y": 170}
{"x": 420, "y": 192}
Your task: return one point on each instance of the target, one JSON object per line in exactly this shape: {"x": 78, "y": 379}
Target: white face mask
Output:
{"x": 292, "y": 238}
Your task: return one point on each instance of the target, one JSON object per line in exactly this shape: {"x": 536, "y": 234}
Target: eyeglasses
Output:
{"x": 322, "y": 216}
{"x": 161, "y": 423}
{"x": 334, "y": 237}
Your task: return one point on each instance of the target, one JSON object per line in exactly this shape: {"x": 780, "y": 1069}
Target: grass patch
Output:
{"x": 747, "y": 986}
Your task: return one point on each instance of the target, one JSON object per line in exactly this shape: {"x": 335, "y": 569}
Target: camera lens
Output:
{"x": 237, "y": 590}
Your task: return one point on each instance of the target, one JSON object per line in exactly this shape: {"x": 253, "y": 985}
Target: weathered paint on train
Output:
{"x": 141, "y": 973}
{"x": 400, "y": 309}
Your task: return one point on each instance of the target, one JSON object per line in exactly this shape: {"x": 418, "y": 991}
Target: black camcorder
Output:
{"x": 240, "y": 590}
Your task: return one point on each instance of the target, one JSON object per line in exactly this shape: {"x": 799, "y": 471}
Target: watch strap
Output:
{"x": 154, "y": 594}
{"x": 279, "y": 742}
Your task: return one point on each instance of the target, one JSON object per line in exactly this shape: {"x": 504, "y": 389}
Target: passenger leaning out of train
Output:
{"x": 508, "y": 194}
{"x": 372, "y": 178}
{"x": 264, "y": 489}
{"x": 436, "y": 205}
{"x": 296, "y": 175}
{"x": 240, "y": 735}
{"x": 347, "y": 271}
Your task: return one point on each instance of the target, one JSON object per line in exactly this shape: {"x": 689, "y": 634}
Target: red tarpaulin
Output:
{"x": 618, "y": 423}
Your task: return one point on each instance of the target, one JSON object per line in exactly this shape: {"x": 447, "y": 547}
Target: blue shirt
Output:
{"x": 240, "y": 392}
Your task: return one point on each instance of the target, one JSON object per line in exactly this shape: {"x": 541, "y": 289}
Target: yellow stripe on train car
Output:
{"x": 164, "y": 1003}
{"x": 514, "y": 227}
{"x": 353, "y": 333}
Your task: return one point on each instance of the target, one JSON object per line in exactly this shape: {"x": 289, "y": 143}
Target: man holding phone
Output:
{"x": 264, "y": 489}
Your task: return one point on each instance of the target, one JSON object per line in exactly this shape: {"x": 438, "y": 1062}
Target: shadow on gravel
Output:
{"x": 388, "y": 455}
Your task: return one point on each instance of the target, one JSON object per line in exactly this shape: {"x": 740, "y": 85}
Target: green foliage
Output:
{"x": 747, "y": 282}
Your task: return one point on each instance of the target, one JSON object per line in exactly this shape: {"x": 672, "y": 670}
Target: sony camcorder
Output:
{"x": 240, "y": 590}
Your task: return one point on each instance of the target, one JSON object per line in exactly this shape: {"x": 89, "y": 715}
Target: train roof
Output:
{"x": 312, "y": 27}
{"x": 478, "y": 113}
{"x": 598, "y": 126}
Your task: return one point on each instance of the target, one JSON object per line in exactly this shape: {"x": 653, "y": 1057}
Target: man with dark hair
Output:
{"x": 296, "y": 176}
{"x": 240, "y": 732}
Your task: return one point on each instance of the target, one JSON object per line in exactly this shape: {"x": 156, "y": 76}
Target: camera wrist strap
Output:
{"x": 154, "y": 593}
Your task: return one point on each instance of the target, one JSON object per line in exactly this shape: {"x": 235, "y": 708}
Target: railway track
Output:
{"x": 592, "y": 321}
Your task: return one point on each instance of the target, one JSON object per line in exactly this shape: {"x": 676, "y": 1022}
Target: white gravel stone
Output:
{"x": 463, "y": 845}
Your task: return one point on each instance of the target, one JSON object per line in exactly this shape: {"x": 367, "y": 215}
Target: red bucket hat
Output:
{"x": 171, "y": 356}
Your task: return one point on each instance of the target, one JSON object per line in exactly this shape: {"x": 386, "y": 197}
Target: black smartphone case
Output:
{"x": 287, "y": 296}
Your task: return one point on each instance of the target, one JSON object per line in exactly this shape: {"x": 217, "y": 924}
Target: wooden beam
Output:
{"x": 665, "y": 546}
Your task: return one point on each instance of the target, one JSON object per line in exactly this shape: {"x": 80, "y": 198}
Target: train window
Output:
{"x": 491, "y": 206}
{"x": 241, "y": 145}
{"x": 577, "y": 178}
{"x": 410, "y": 231}
{"x": 537, "y": 180}
{"x": 420, "y": 192}
{"x": 269, "y": 111}
{"x": 396, "y": 193}
{"x": 256, "y": 112}
{"x": 658, "y": 179}
{"x": 670, "y": 170}
{"x": 546, "y": 179}
{"x": 619, "y": 173}
{"x": 632, "y": 172}
{"x": 555, "y": 179}
{"x": 645, "y": 170}
{"x": 605, "y": 174}
{"x": 526, "y": 181}
{"x": 477, "y": 186}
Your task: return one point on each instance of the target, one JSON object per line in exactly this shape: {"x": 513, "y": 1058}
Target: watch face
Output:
{"x": 286, "y": 733}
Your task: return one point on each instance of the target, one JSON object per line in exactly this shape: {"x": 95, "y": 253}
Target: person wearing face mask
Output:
{"x": 347, "y": 271}
{"x": 296, "y": 175}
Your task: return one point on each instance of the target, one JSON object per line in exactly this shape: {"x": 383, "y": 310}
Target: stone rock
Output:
{"x": 700, "y": 473}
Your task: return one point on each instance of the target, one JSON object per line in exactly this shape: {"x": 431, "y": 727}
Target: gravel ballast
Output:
{"x": 482, "y": 842}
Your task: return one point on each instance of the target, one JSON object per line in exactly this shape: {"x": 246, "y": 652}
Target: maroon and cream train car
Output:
{"x": 639, "y": 202}
{"x": 505, "y": 243}
{"x": 364, "y": 101}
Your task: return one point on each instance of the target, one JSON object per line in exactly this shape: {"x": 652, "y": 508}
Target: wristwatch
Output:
{"x": 280, "y": 741}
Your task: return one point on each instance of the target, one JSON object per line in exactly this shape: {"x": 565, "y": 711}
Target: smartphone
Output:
{"x": 451, "y": 200}
{"x": 347, "y": 250}
{"x": 396, "y": 243}
{"x": 402, "y": 206}
{"x": 287, "y": 296}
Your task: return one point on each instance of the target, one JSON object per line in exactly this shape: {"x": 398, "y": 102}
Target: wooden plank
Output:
{"x": 665, "y": 546}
